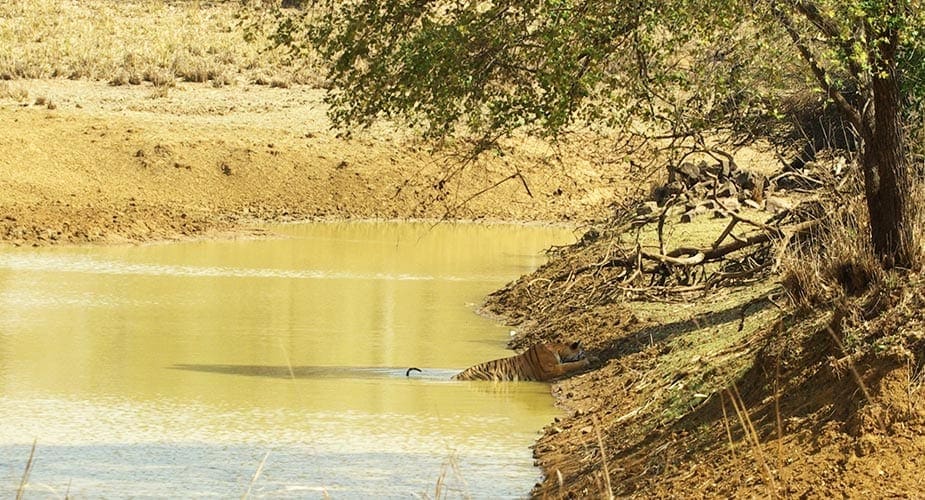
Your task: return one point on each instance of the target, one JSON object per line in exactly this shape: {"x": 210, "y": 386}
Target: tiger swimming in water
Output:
{"x": 542, "y": 362}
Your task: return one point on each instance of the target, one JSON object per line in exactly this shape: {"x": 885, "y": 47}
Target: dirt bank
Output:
{"x": 733, "y": 393}
{"x": 86, "y": 162}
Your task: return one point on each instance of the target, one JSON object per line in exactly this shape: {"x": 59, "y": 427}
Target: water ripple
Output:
{"x": 89, "y": 265}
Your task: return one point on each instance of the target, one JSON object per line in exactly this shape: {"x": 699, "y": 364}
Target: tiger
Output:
{"x": 541, "y": 362}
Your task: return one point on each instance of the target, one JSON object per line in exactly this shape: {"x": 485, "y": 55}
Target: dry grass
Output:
{"x": 450, "y": 483}
{"x": 873, "y": 310}
{"x": 24, "y": 483}
{"x": 13, "y": 91}
{"x": 837, "y": 262}
{"x": 126, "y": 43}
{"x": 250, "y": 486}
{"x": 608, "y": 488}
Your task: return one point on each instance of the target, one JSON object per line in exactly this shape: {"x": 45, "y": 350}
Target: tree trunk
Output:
{"x": 886, "y": 175}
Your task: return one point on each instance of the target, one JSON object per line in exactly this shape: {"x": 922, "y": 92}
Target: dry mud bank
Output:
{"x": 727, "y": 394}
{"x": 85, "y": 162}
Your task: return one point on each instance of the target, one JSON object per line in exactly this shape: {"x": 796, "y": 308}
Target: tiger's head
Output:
{"x": 568, "y": 352}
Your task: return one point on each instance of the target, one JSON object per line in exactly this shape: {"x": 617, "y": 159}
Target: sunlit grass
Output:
{"x": 706, "y": 341}
{"x": 135, "y": 41}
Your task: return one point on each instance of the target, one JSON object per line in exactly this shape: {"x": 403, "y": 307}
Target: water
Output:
{"x": 177, "y": 370}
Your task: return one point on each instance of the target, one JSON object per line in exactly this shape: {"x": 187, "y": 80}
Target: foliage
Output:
{"x": 495, "y": 66}
{"x": 912, "y": 64}
{"x": 847, "y": 44}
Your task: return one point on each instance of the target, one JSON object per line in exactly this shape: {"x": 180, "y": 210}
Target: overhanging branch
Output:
{"x": 829, "y": 28}
{"x": 853, "y": 115}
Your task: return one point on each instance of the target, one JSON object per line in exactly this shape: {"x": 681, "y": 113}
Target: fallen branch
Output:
{"x": 692, "y": 260}
{"x": 798, "y": 175}
{"x": 711, "y": 254}
{"x": 722, "y": 236}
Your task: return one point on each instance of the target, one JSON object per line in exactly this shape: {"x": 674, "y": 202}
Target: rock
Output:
{"x": 700, "y": 191}
{"x": 727, "y": 189}
{"x": 690, "y": 215}
{"x": 646, "y": 208}
{"x": 687, "y": 173}
{"x": 714, "y": 171}
{"x": 660, "y": 195}
{"x": 731, "y": 204}
{"x": 749, "y": 180}
{"x": 774, "y": 204}
{"x": 675, "y": 187}
{"x": 590, "y": 236}
{"x": 727, "y": 167}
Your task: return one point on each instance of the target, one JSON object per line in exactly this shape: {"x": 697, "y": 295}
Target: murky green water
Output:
{"x": 174, "y": 370}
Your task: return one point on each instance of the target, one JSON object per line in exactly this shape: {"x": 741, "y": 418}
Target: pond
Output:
{"x": 273, "y": 367}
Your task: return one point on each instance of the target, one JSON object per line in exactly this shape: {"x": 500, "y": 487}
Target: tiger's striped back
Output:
{"x": 540, "y": 362}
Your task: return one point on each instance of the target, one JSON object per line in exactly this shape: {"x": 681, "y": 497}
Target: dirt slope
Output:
{"x": 726, "y": 394}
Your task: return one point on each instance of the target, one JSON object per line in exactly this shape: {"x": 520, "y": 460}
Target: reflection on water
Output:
{"x": 147, "y": 371}
{"x": 339, "y": 372}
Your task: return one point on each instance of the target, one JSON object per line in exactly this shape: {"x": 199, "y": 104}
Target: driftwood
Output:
{"x": 745, "y": 250}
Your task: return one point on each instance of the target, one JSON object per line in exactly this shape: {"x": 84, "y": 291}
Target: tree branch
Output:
{"x": 829, "y": 28}
{"x": 692, "y": 260}
{"x": 721, "y": 251}
{"x": 853, "y": 115}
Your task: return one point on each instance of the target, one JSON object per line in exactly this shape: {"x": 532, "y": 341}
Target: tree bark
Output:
{"x": 887, "y": 179}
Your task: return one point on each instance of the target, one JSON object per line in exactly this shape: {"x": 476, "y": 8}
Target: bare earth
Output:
{"x": 122, "y": 164}
{"x": 657, "y": 412}
{"x": 715, "y": 399}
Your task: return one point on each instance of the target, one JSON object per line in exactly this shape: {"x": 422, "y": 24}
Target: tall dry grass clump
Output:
{"x": 13, "y": 91}
{"x": 127, "y": 43}
{"x": 836, "y": 260}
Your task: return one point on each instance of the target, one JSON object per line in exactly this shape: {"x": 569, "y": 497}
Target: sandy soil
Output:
{"x": 128, "y": 164}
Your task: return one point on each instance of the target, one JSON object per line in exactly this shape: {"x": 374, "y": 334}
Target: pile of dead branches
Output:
{"x": 610, "y": 263}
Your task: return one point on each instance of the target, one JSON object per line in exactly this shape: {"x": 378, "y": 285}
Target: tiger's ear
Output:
{"x": 576, "y": 345}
